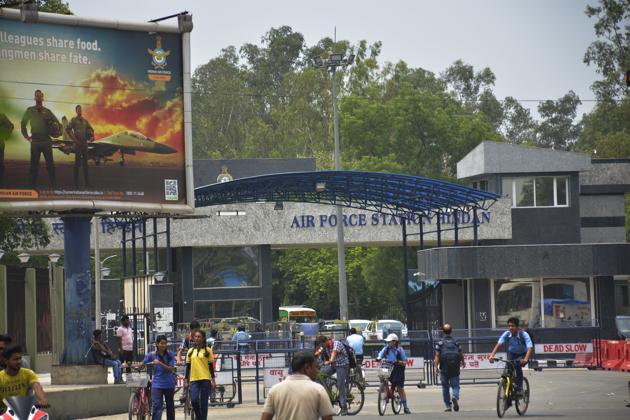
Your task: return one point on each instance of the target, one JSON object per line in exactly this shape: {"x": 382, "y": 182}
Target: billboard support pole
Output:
{"x": 156, "y": 261}
{"x": 77, "y": 296}
{"x": 134, "y": 272}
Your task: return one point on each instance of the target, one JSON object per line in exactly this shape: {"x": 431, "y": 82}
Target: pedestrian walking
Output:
{"x": 124, "y": 335}
{"x": 162, "y": 364}
{"x": 448, "y": 360}
{"x": 200, "y": 374}
{"x": 298, "y": 396}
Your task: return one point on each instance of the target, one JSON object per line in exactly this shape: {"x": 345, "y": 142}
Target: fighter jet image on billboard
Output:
{"x": 125, "y": 142}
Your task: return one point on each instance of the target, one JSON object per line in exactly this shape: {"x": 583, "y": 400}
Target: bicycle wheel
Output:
{"x": 396, "y": 401}
{"x": 355, "y": 397}
{"x": 502, "y": 397}
{"x": 334, "y": 396}
{"x": 134, "y": 405}
{"x": 523, "y": 402}
{"x": 382, "y": 399}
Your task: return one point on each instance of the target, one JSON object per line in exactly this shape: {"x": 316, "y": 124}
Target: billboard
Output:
{"x": 92, "y": 117}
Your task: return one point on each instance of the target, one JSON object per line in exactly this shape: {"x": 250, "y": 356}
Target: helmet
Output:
{"x": 391, "y": 337}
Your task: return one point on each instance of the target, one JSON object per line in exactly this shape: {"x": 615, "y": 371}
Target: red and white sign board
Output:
{"x": 476, "y": 361}
{"x": 275, "y": 376}
{"x": 564, "y": 348}
{"x": 411, "y": 363}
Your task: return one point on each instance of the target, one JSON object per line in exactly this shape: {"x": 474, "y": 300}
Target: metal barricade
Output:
{"x": 228, "y": 379}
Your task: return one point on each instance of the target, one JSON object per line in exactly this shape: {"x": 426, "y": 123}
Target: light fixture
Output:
{"x": 350, "y": 59}
{"x": 318, "y": 62}
{"x": 54, "y": 257}
{"x": 105, "y": 271}
{"x": 159, "y": 276}
{"x": 231, "y": 213}
{"x": 278, "y": 206}
{"x": 320, "y": 187}
{"x": 335, "y": 59}
{"x": 24, "y": 257}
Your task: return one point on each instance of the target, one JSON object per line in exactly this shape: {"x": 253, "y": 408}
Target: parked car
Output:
{"x": 359, "y": 324}
{"x": 378, "y": 330}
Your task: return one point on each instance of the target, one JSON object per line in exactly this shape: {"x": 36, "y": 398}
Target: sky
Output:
{"x": 534, "y": 47}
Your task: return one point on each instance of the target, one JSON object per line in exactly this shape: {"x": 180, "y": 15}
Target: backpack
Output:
{"x": 352, "y": 360}
{"x": 521, "y": 342}
{"x": 450, "y": 358}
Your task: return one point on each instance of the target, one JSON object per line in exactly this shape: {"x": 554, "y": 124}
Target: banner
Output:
{"x": 564, "y": 348}
{"x": 410, "y": 363}
{"x": 275, "y": 376}
{"x": 476, "y": 361}
{"x": 91, "y": 115}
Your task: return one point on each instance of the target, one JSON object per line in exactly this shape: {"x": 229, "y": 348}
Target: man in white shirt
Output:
{"x": 298, "y": 397}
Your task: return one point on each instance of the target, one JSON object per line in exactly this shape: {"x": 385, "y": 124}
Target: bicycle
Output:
{"x": 355, "y": 395}
{"x": 507, "y": 392}
{"x": 140, "y": 398}
{"x": 387, "y": 392}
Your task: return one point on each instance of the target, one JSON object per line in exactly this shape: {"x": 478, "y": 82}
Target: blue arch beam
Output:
{"x": 395, "y": 194}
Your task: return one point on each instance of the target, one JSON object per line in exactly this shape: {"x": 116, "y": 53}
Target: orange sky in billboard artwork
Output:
{"x": 114, "y": 104}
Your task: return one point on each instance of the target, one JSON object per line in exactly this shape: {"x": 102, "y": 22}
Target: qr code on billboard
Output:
{"x": 170, "y": 190}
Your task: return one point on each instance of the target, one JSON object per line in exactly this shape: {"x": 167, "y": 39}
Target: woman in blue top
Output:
{"x": 163, "y": 384}
{"x": 394, "y": 354}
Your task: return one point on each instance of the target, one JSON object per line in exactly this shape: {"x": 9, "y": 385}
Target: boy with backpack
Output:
{"x": 519, "y": 347}
{"x": 448, "y": 359}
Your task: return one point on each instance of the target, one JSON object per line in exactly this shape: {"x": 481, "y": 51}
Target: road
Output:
{"x": 561, "y": 394}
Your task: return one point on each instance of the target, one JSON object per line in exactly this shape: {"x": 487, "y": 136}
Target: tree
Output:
{"x": 49, "y": 6}
{"x": 610, "y": 53}
{"x": 557, "y": 129}
{"x": 518, "y": 126}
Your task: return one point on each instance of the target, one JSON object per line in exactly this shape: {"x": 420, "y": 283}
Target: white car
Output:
{"x": 377, "y": 330}
{"x": 359, "y": 324}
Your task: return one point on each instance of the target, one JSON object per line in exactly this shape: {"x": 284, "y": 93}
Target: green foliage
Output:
{"x": 49, "y": 6}
{"x": 309, "y": 277}
{"x": 610, "y": 53}
{"x": 17, "y": 234}
{"x": 557, "y": 128}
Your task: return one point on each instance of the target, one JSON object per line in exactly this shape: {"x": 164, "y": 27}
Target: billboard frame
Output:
{"x": 103, "y": 206}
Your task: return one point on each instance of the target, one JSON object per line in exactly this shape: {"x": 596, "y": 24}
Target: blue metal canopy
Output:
{"x": 396, "y": 194}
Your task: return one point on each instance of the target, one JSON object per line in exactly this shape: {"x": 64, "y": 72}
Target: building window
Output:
{"x": 622, "y": 295}
{"x": 518, "y": 298}
{"x": 540, "y": 191}
{"x": 227, "y": 309}
{"x": 566, "y": 302}
{"x": 480, "y": 185}
{"x": 226, "y": 267}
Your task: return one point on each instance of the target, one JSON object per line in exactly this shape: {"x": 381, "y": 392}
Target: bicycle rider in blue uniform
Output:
{"x": 519, "y": 348}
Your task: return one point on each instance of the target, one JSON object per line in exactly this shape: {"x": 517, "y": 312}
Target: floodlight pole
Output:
{"x": 341, "y": 251}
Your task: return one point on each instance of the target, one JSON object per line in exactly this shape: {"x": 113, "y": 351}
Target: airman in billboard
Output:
{"x": 81, "y": 132}
{"x": 6, "y": 128}
{"x": 44, "y": 126}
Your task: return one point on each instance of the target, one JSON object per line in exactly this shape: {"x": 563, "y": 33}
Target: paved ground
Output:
{"x": 578, "y": 394}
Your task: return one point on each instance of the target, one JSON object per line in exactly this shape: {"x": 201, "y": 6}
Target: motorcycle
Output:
{"x": 23, "y": 408}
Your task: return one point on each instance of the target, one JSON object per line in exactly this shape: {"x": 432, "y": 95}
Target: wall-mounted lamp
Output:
{"x": 24, "y": 257}
{"x": 159, "y": 276}
{"x": 53, "y": 258}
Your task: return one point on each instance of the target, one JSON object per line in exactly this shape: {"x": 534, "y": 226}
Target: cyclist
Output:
{"x": 519, "y": 348}
{"x": 322, "y": 354}
{"x": 16, "y": 381}
{"x": 186, "y": 343}
{"x": 200, "y": 374}
{"x": 394, "y": 354}
{"x": 338, "y": 363}
{"x": 162, "y": 364}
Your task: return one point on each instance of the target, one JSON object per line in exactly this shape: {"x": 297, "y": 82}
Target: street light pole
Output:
{"x": 334, "y": 61}
{"x": 341, "y": 250}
